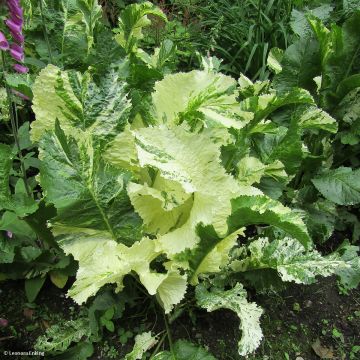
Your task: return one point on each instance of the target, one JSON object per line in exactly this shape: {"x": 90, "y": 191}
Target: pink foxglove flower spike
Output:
{"x": 16, "y": 49}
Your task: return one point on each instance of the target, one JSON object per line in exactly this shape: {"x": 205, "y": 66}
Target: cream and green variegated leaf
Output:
{"x": 274, "y": 59}
{"x": 283, "y": 144}
{"x": 212, "y": 251}
{"x": 92, "y": 13}
{"x": 79, "y": 104}
{"x": 260, "y": 209}
{"x": 199, "y": 98}
{"x": 158, "y": 205}
{"x": 251, "y": 170}
{"x": 211, "y": 254}
{"x": 175, "y": 199}
{"x": 313, "y": 118}
{"x": 143, "y": 342}
{"x": 89, "y": 195}
{"x": 263, "y": 105}
{"x": 248, "y": 89}
{"x": 161, "y": 56}
{"x": 59, "y": 337}
{"x": 236, "y": 300}
{"x": 121, "y": 260}
{"x": 293, "y": 263}
{"x": 131, "y": 23}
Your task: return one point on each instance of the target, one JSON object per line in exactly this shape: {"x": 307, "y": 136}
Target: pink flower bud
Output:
{"x": 4, "y": 45}
{"x": 16, "y": 20}
{"x": 9, "y": 234}
{"x": 16, "y": 55}
{"x": 3, "y": 322}
{"x": 15, "y": 10}
{"x": 14, "y": 28}
{"x": 13, "y": 3}
{"x": 19, "y": 38}
{"x": 17, "y": 48}
{"x": 20, "y": 68}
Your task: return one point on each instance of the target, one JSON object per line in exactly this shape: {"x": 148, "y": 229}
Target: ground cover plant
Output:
{"x": 135, "y": 185}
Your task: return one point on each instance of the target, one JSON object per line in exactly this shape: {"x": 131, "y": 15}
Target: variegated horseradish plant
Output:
{"x": 175, "y": 177}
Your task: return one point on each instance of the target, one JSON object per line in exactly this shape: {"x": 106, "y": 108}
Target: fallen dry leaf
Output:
{"x": 45, "y": 324}
{"x": 28, "y": 313}
{"x": 321, "y": 351}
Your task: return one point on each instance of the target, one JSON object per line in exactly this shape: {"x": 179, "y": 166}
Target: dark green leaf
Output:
{"x": 342, "y": 185}
{"x": 185, "y": 350}
{"x": 33, "y": 287}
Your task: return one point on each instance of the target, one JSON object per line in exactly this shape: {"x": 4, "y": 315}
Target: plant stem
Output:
{"x": 45, "y": 31}
{"x": 14, "y": 126}
{"x": 158, "y": 346}
{"x": 169, "y": 335}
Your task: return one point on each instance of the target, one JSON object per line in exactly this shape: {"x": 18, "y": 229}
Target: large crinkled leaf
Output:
{"x": 80, "y": 105}
{"x": 293, "y": 263}
{"x": 47, "y": 105}
{"x": 122, "y": 152}
{"x": 251, "y": 170}
{"x": 163, "y": 206}
{"x": 89, "y": 195}
{"x": 342, "y": 185}
{"x": 300, "y": 64}
{"x": 299, "y": 23}
{"x": 171, "y": 290}
{"x": 320, "y": 219}
{"x": 177, "y": 190}
{"x": 260, "y": 209}
{"x": 314, "y": 118}
{"x": 350, "y": 274}
{"x": 143, "y": 342}
{"x": 347, "y": 85}
{"x": 132, "y": 21}
{"x": 198, "y": 97}
{"x": 184, "y": 350}
{"x": 235, "y": 300}
{"x": 348, "y": 109}
{"x": 283, "y": 144}
{"x": 350, "y": 6}
{"x": 94, "y": 272}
